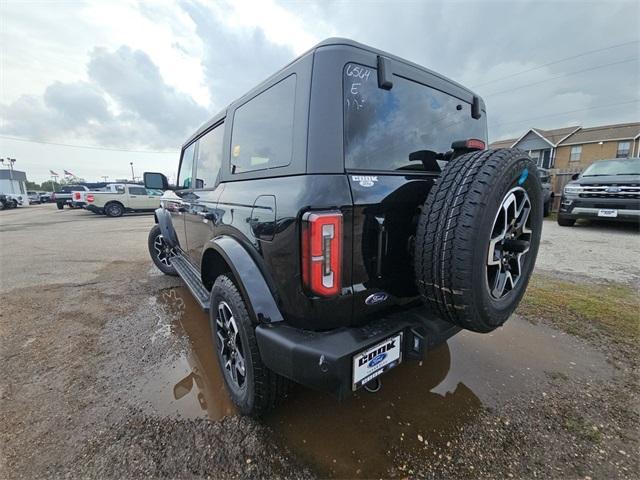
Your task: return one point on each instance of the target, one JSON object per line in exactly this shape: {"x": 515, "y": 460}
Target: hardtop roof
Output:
{"x": 333, "y": 41}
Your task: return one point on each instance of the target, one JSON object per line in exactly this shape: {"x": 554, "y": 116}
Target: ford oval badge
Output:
{"x": 377, "y": 359}
{"x": 376, "y": 298}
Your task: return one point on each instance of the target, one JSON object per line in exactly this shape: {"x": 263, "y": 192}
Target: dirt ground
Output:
{"x": 108, "y": 372}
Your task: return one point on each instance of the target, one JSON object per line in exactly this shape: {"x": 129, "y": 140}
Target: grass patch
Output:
{"x": 580, "y": 428}
{"x": 584, "y": 309}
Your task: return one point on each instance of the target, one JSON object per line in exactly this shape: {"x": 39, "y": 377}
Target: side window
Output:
{"x": 262, "y": 135}
{"x": 209, "y": 158}
{"x": 186, "y": 167}
{"x": 137, "y": 191}
{"x": 119, "y": 189}
{"x": 155, "y": 193}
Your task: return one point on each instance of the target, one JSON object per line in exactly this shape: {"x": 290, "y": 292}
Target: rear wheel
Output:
{"x": 114, "y": 209}
{"x": 60, "y": 205}
{"x": 161, "y": 253}
{"x": 478, "y": 237}
{"x": 252, "y": 386}
{"x": 547, "y": 208}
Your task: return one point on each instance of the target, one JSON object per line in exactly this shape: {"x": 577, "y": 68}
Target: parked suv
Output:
{"x": 344, "y": 217}
{"x": 606, "y": 190}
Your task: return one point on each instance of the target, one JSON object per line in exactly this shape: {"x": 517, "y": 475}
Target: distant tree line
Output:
{"x": 51, "y": 186}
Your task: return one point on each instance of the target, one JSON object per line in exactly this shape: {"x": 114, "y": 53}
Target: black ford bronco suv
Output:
{"x": 343, "y": 217}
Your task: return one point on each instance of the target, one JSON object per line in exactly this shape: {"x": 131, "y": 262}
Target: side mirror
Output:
{"x": 575, "y": 176}
{"x": 156, "y": 181}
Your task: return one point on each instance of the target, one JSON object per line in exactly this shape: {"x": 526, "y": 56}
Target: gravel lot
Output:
{"x": 108, "y": 372}
{"x": 608, "y": 251}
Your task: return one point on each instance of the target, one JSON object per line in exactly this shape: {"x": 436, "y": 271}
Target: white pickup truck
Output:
{"x": 123, "y": 198}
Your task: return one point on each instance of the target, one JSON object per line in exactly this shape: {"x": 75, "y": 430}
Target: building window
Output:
{"x": 623, "y": 149}
{"x": 576, "y": 152}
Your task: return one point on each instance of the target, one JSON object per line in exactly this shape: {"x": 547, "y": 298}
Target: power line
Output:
{"x": 90, "y": 147}
{"x": 627, "y": 60}
{"x": 555, "y": 62}
{"x": 565, "y": 113}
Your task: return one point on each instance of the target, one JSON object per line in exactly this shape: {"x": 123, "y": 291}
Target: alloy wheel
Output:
{"x": 163, "y": 251}
{"x": 231, "y": 348}
{"x": 510, "y": 243}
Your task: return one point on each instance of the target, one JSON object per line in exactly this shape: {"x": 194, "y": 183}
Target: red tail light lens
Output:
{"x": 322, "y": 252}
{"x": 474, "y": 143}
{"x": 90, "y": 198}
{"x": 76, "y": 195}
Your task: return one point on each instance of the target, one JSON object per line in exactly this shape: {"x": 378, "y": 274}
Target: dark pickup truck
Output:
{"x": 343, "y": 217}
{"x": 64, "y": 195}
{"x": 606, "y": 190}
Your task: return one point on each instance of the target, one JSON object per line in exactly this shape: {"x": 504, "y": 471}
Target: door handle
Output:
{"x": 207, "y": 215}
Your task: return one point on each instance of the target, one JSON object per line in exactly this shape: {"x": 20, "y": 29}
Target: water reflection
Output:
{"x": 352, "y": 438}
{"x": 196, "y": 382}
{"x": 355, "y": 438}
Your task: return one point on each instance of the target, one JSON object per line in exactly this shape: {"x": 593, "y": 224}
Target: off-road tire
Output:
{"x": 454, "y": 232}
{"x": 151, "y": 243}
{"x": 263, "y": 388}
{"x": 566, "y": 222}
{"x": 113, "y": 209}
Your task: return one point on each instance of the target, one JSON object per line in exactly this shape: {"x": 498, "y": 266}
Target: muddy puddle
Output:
{"x": 420, "y": 406}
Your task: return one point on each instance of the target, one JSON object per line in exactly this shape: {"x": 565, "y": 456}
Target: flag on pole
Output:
{"x": 53, "y": 173}
{"x": 68, "y": 173}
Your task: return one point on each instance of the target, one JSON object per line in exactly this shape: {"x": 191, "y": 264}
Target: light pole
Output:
{"x": 133, "y": 177}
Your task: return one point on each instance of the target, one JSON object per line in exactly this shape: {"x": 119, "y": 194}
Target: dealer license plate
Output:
{"x": 376, "y": 360}
{"x": 607, "y": 212}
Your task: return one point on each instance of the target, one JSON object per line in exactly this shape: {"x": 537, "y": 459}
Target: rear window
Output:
{"x": 382, "y": 127}
{"x": 71, "y": 188}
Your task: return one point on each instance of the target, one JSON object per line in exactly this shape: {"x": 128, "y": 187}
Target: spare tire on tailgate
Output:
{"x": 477, "y": 237}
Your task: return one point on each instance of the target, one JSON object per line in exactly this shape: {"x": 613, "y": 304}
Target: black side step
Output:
{"x": 191, "y": 277}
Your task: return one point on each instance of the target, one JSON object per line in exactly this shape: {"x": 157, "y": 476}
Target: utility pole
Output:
{"x": 133, "y": 177}
{"x": 104, "y": 177}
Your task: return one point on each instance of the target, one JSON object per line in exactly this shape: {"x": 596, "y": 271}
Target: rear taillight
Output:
{"x": 90, "y": 198}
{"x": 475, "y": 144}
{"x": 76, "y": 195}
{"x": 322, "y": 252}
{"x": 53, "y": 196}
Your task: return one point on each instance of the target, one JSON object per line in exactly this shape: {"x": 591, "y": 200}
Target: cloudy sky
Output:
{"x": 134, "y": 79}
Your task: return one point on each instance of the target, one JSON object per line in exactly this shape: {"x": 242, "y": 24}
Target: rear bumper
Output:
{"x": 324, "y": 360}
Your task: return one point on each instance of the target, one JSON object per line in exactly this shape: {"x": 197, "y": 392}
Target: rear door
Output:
{"x": 383, "y": 127}
{"x": 200, "y": 203}
{"x": 138, "y": 198}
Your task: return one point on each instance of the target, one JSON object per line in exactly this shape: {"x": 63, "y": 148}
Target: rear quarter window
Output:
{"x": 262, "y": 134}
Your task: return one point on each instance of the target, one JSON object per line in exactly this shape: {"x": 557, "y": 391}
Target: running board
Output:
{"x": 191, "y": 277}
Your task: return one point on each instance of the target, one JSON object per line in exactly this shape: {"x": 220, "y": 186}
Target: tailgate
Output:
{"x": 385, "y": 214}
